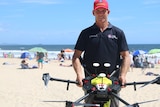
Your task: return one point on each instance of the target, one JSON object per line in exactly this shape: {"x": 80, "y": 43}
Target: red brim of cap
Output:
{"x": 100, "y": 7}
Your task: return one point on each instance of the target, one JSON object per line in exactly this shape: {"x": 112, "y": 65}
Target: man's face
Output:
{"x": 101, "y": 14}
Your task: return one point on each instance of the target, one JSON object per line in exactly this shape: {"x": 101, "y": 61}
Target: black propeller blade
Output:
{"x": 137, "y": 104}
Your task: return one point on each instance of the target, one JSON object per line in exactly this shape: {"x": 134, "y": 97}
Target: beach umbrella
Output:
{"x": 68, "y": 50}
{"x": 37, "y": 49}
{"x": 153, "y": 51}
{"x": 139, "y": 52}
{"x": 25, "y": 55}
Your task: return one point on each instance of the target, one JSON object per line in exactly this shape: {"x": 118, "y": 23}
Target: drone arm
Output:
{"x": 120, "y": 99}
{"x": 137, "y": 83}
{"x": 46, "y": 77}
{"x": 82, "y": 98}
{"x": 157, "y": 81}
{"x": 77, "y": 102}
{"x": 61, "y": 80}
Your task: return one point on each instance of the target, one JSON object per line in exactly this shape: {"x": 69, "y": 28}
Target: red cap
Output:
{"x": 100, "y": 4}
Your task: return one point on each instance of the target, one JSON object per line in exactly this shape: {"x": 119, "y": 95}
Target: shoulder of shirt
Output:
{"x": 92, "y": 27}
{"x": 115, "y": 28}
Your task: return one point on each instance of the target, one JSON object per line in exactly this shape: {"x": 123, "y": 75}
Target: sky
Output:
{"x": 61, "y": 21}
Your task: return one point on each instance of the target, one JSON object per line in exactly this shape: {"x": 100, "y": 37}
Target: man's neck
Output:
{"x": 103, "y": 26}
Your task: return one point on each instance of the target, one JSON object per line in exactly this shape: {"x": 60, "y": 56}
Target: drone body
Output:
{"x": 103, "y": 89}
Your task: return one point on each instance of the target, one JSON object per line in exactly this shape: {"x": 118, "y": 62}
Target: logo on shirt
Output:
{"x": 93, "y": 36}
{"x": 112, "y": 36}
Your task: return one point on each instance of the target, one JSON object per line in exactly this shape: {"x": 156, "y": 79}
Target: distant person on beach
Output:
{"x": 102, "y": 43}
{"x": 132, "y": 62}
{"x": 63, "y": 65}
{"x": 62, "y": 56}
{"x": 40, "y": 56}
{"x": 24, "y": 64}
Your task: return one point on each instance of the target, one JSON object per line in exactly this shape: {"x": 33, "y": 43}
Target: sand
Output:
{"x": 25, "y": 88}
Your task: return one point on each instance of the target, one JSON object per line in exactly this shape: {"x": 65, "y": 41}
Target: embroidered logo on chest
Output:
{"x": 112, "y": 36}
{"x": 93, "y": 36}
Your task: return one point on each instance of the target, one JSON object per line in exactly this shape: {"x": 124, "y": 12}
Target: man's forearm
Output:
{"x": 125, "y": 66}
{"x": 77, "y": 66}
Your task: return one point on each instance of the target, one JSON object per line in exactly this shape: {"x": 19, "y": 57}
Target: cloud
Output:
{"x": 1, "y": 29}
{"x": 44, "y": 2}
{"x": 153, "y": 23}
{"x": 41, "y": 1}
{"x": 4, "y": 3}
{"x": 123, "y": 18}
{"x": 14, "y": 16}
{"x": 151, "y": 2}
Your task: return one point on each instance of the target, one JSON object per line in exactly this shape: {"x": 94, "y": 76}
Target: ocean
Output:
{"x": 132, "y": 47}
{"x": 27, "y": 47}
{"x": 53, "y": 50}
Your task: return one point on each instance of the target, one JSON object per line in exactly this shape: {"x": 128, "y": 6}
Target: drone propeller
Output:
{"x": 137, "y": 104}
{"x": 56, "y": 101}
{"x": 85, "y": 104}
{"x": 157, "y": 80}
{"x": 76, "y": 104}
{"x": 148, "y": 101}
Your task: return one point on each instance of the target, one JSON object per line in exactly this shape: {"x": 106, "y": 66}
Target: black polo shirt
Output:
{"x": 101, "y": 47}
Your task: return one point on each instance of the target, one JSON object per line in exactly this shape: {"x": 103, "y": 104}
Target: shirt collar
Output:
{"x": 109, "y": 26}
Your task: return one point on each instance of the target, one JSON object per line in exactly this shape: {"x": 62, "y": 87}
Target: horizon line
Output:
{"x": 74, "y": 44}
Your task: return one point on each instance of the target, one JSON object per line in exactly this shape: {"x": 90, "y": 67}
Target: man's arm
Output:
{"x": 77, "y": 67}
{"x": 125, "y": 66}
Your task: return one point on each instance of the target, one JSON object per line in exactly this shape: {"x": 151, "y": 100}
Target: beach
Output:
{"x": 25, "y": 87}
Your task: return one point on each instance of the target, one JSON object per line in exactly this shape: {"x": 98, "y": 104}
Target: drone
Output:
{"x": 102, "y": 87}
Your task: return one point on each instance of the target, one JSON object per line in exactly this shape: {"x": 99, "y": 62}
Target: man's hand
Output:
{"x": 123, "y": 80}
{"x": 79, "y": 79}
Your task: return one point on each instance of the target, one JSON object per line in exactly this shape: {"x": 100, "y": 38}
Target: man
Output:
{"x": 102, "y": 43}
